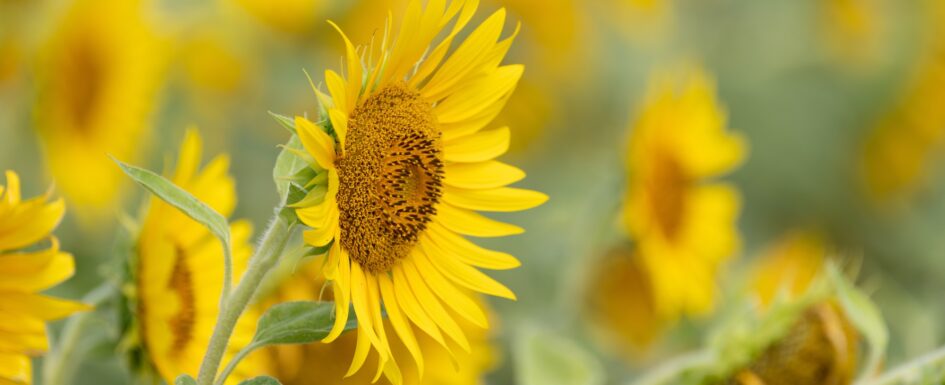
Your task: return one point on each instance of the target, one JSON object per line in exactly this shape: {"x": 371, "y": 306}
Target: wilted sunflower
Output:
{"x": 179, "y": 272}
{"x": 97, "y": 77}
{"x": 407, "y": 167}
{"x": 683, "y": 222}
{"x": 327, "y": 364}
{"x": 23, "y": 274}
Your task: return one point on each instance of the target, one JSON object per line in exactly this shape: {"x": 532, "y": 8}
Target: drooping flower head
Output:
{"x": 23, "y": 274}
{"x": 682, "y": 220}
{"x": 179, "y": 272}
{"x": 408, "y": 162}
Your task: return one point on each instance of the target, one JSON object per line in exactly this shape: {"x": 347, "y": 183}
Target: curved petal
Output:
{"x": 399, "y": 321}
{"x": 464, "y": 274}
{"x": 499, "y": 199}
{"x": 451, "y": 296}
{"x": 478, "y": 147}
{"x": 482, "y": 175}
{"x": 468, "y": 252}
{"x": 470, "y": 223}
{"x": 432, "y": 305}
{"x": 316, "y": 142}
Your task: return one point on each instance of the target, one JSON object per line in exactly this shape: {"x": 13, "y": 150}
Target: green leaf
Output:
{"x": 261, "y": 380}
{"x": 865, "y": 315}
{"x": 544, "y": 358}
{"x": 288, "y": 165}
{"x": 182, "y": 200}
{"x": 286, "y": 122}
{"x": 185, "y": 379}
{"x": 296, "y": 323}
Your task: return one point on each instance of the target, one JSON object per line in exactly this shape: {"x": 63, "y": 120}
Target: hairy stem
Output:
{"x": 270, "y": 248}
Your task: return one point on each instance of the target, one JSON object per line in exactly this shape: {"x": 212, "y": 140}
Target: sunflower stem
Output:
{"x": 267, "y": 255}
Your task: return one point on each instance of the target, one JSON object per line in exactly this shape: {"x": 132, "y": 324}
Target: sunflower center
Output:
{"x": 390, "y": 177}
{"x": 668, "y": 184}
{"x": 182, "y": 283}
{"x": 86, "y": 72}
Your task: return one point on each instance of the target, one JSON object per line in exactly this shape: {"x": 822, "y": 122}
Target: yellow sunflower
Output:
{"x": 683, "y": 221}
{"x": 326, "y": 364}
{"x": 179, "y": 273}
{"x": 407, "y": 165}
{"x": 852, "y": 30}
{"x": 23, "y": 274}
{"x": 97, "y": 78}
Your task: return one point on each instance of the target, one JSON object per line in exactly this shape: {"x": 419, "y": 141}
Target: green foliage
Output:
{"x": 180, "y": 199}
{"x": 261, "y": 380}
{"x": 297, "y": 322}
{"x": 185, "y": 379}
{"x": 865, "y": 315}
{"x": 549, "y": 359}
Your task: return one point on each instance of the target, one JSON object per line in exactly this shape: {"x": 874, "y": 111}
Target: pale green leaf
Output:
{"x": 865, "y": 315}
{"x": 544, "y": 358}
{"x": 185, "y": 379}
{"x": 296, "y": 323}
{"x": 285, "y": 121}
{"x": 287, "y": 166}
{"x": 261, "y": 380}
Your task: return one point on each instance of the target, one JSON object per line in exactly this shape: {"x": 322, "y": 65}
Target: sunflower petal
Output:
{"x": 464, "y": 274}
{"x": 478, "y": 147}
{"x": 433, "y": 306}
{"x": 468, "y": 252}
{"x": 471, "y": 223}
{"x": 451, "y": 296}
{"x": 481, "y": 175}
{"x": 316, "y": 142}
{"x": 412, "y": 309}
{"x": 399, "y": 320}
{"x": 468, "y": 101}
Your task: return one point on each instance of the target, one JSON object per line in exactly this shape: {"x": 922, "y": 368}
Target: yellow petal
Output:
{"x": 468, "y": 101}
{"x": 316, "y": 142}
{"x": 482, "y": 175}
{"x": 453, "y": 131}
{"x": 362, "y": 304}
{"x": 341, "y": 290}
{"x": 15, "y": 369}
{"x": 399, "y": 320}
{"x": 464, "y": 274}
{"x": 35, "y": 271}
{"x": 361, "y": 350}
{"x": 39, "y": 306}
{"x": 468, "y": 252}
{"x": 336, "y": 88}
{"x": 189, "y": 159}
{"x": 29, "y": 222}
{"x": 470, "y": 223}
{"x": 478, "y": 147}
{"x": 412, "y": 308}
{"x": 499, "y": 199}
{"x": 447, "y": 291}
{"x": 12, "y": 195}
{"x": 466, "y": 59}
{"x": 374, "y": 299}
{"x": 432, "y": 305}
{"x": 339, "y": 122}
{"x": 354, "y": 70}
{"x": 21, "y": 341}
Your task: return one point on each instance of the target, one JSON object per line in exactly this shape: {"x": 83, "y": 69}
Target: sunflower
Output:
{"x": 178, "y": 274}
{"x": 23, "y": 274}
{"x": 683, "y": 222}
{"x": 326, "y": 364}
{"x": 407, "y": 165}
{"x": 852, "y": 30}
{"x": 97, "y": 78}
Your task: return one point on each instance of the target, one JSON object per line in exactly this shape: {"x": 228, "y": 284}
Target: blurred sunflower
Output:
{"x": 897, "y": 154}
{"x": 178, "y": 274}
{"x": 23, "y": 274}
{"x": 296, "y": 17}
{"x": 97, "y": 77}
{"x": 411, "y": 166}
{"x": 683, "y": 222}
{"x": 852, "y": 30}
{"x": 620, "y": 303}
{"x": 326, "y": 364}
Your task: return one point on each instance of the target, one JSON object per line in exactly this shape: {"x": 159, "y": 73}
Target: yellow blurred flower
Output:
{"x": 23, "y": 274}
{"x": 899, "y": 152}
{"x": 327, "y": 364}
{"x": 411, "y": 167}
{"x": 683, "y": 221}
{"x": 289, "y": 16}
{"x": 643, "y": 21}
{"x": 620, "y": 303}
{"x": 789, "y": 266}
{"x": 179, "y": 272}
{"x": 97, "y": 78}
{"x": 852, "y": 30}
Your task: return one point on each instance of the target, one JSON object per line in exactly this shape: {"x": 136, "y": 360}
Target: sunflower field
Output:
{"x": 462, "y": 192}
